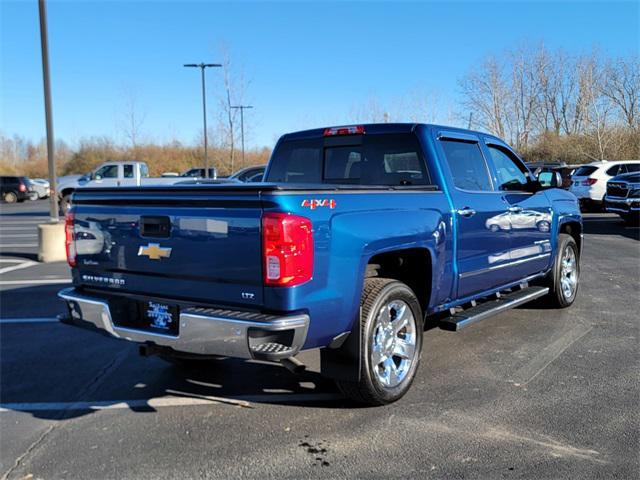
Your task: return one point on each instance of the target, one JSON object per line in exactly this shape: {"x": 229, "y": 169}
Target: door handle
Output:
{"x": 466, "y": 212}
{"x": 515, "y": 209}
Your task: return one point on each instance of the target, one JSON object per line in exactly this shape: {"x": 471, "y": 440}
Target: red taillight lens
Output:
{"x": 69, "y": 239}
{"x": 351, "y": 130}
{"x": 589, "y": 181}
{"x": 287, "y": 246}
{"x": 22, "y": 187}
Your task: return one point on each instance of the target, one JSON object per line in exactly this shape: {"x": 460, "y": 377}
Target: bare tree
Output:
{"x": 131, "y": 118}
{"x": 486, "y": 93}
{"x": 597, "y": 106}
{"x": 622, "y": 87}
{"x": 234, "y": 86}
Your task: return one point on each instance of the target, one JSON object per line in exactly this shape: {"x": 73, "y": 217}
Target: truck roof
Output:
{"x": 382, "y": 128}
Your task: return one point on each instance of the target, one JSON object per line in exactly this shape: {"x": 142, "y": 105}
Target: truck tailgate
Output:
{"x": 171, "y": 242}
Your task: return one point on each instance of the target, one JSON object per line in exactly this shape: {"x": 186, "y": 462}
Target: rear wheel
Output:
{"x": 564, "y": 277}
{"x": 391, "y": 327}
{"x": 10, "y": 197}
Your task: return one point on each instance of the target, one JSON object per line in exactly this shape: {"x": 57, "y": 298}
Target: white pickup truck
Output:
{"x": 109, "y": 175}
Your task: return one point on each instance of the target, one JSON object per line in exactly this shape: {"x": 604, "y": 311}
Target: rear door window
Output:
{"x": 633, "y": 167}
{"x": 467, "y": 165}
{"x": 616, "y": 170}
{"x": 128, "y": 171}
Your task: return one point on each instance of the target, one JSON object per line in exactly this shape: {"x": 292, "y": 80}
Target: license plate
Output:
{"x": 160, "y": 317}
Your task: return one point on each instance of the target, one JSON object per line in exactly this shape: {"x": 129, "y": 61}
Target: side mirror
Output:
{"x": 550, "y": 179}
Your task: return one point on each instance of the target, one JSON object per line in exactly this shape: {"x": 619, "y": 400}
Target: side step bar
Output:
{"x": 490, "y": 308}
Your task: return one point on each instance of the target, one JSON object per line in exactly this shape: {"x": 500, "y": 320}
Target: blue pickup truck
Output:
{"x": 359, "y": 238}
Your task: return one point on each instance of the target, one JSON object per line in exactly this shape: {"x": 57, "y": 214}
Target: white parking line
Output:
{"x": 20, "y": 266}
{"x": 3, "y": 228}
{"x": 17, "y": 235}
{"x": 35, "y": 282}
{"x": 169, "y": 401}
{"x": 28, "y": 320}
{"x": 18, "y": 245}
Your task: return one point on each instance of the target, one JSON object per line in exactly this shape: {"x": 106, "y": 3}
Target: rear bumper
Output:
{"x": 203, "y": 331}
{"x": 622, "y": 205}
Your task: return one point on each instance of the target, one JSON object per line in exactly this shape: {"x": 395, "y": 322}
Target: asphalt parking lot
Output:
{"x": 531, "y": 393}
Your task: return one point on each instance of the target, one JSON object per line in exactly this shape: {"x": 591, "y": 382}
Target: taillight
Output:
{"x": 22, "y": 187}
{"x": 287, "y": 247}
{"x": 69, "y": 239}
{"x": 350, "y": 130}
{"x": 589, "y": 181}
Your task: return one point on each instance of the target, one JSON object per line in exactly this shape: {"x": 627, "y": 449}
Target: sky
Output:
{"x": 305, "y": 64}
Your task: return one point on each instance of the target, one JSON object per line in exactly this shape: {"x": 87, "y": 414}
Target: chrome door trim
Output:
{"x": 504, "y": 265}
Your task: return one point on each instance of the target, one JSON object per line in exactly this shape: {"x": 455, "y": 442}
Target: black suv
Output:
{"x": 14, "y": 189}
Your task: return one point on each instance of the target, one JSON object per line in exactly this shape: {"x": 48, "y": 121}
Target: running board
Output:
{"x": 490, "y": 308}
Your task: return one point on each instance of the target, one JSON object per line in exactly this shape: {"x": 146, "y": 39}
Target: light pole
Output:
{"x": 242, "y": 108}
{"x": 202, "y": 66}
{"x": 53, "y": 198}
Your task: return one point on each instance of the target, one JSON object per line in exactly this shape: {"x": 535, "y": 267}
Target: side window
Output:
{"x": 510, "y": 174}
{"x": 633, "y": 167}
{"x": 144, "y": 170}
{"x": 615, "y": 170}
{"x": 108, "y": 171}
{"x": 128, "y": 171}
{"x": 467, "y": 165}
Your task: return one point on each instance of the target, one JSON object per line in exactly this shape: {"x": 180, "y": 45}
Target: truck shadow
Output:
{"x": 62, "y": 373}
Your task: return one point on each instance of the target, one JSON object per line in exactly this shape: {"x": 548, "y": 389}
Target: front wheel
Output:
{"x": 391, "y": 327}
{"x": 564, "y": 277}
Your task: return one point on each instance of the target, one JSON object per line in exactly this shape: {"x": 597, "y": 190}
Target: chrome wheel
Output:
{"x": 393, "y": 344}
{"x": 568, "y": 272}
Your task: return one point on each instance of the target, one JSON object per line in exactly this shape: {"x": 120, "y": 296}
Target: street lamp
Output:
{"x": 242, "y": 108}
{"x": 202, "y": 66}
{"x": 53, "y": 198}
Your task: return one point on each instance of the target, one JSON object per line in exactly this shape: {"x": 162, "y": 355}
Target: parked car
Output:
{"x": 249, "y": 174}
{"x": 41, "y": 188}
{"x": 623, "y": 196}
{"x": 108, "y": 175}
{"x": 15, "y": 189}
{"x": 200, "y": 173}
{"x": 357, "y": 234}
{"x": 566, "y": 171}
{"x": 589, "y": 182}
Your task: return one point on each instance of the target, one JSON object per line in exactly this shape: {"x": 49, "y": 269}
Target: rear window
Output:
{"x": 393, "y": 159}
{"x": 585, "y": 171}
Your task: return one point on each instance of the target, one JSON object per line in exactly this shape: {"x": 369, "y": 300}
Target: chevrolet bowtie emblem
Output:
{"x": 154, "y": 251}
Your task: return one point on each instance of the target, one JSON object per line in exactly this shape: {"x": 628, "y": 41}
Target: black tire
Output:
{"x": 369, "y": 390}
{"x": 10, "y": 197}
{"x": 558, "y": 296}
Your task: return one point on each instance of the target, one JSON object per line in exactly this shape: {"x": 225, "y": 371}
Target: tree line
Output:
{"x": 548, "y": 104}
{"x": 554, "y": 106}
